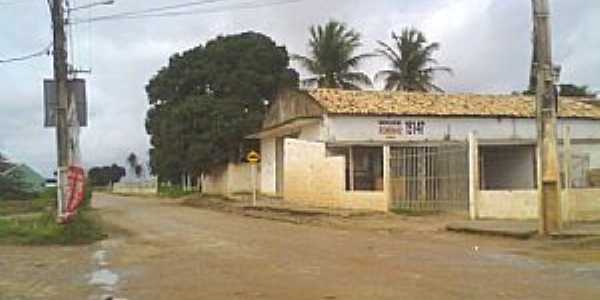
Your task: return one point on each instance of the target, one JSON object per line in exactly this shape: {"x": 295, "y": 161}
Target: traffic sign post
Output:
{"x": 253, "y": 158}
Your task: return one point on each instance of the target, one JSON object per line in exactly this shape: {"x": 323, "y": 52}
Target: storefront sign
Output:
{"x": 398, "y": 128}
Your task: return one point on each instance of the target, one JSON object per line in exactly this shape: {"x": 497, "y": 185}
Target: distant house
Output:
{"x": 31, "y": 180}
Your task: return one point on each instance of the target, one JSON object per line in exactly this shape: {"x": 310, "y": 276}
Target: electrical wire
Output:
{"x": 239, "y": 6}
{"x": 156, "y": 9}
{"x": 7, "y": 3}
{"x": 45, "y": 51}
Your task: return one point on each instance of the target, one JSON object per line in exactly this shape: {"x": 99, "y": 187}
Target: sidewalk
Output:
{"x": 522, "y": 229}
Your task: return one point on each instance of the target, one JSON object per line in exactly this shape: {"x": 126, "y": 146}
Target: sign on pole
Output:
{"x": 77, "y": 88}
{"x": 253, "y": 158}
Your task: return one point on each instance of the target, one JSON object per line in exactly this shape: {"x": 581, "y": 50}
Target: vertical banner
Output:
{"x": 75, "y": 191}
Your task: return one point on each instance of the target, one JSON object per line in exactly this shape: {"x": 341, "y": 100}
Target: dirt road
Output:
{"x": 168, "y": 251}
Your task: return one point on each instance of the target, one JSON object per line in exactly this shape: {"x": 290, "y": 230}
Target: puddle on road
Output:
{"x": 104, "y": 278}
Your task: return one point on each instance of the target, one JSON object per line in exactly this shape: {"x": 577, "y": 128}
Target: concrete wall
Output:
{"x": 312, "y": 133}
{"x": 149, "y": 187}
{"x": 519, "y": 205}
{"x": 366, "y": 128}
{"x": 267, "y": 166}
{"x": 578, "y": 205}
{"x": 313, "y": 179}
{"x": 229, "y": 180}
{"x": 583, "y": 205}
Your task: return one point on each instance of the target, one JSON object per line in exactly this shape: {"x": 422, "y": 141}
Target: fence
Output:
{"x": 430, "y": 177}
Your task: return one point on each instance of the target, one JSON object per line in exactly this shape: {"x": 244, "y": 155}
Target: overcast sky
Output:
{"x": 486, "y": 42}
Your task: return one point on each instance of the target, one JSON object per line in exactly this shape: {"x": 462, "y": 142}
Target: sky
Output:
{"x": 486, "y": 43}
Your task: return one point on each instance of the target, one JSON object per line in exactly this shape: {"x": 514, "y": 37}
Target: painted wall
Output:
{"x": 267, "y": 166}
{"x": 149, "y": 187}
{"x": 311, "y": 178}
{"x": 312, "y": 133}
{"x": 519, "y": 205}
{"x": 229, "y": 180}
{"x": 583, "y": 205}
{"x": 579, "y": 205}
{"x": 368, "y": 128}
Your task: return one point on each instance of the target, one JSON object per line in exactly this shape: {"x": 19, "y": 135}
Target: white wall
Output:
{"x": 229, "y": 180}
{"x": 312, "y": 133}
{"x": 366, "y": 128}
{"x": 312, "y": 178}
{"x": 267, "y": 166}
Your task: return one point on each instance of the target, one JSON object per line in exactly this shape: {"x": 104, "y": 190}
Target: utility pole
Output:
{"x": 546, "y": 113}
{"x": 62, "y": 96}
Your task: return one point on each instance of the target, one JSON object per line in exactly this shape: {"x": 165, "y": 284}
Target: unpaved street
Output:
{"x": 163, "y": 250}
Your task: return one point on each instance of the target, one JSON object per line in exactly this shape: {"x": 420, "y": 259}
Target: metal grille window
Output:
{"x": 429, "y": 177}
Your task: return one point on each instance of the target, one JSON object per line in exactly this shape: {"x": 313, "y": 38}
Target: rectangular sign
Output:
{"x": 77, "y": 86}
{"x": 398, "y": 128}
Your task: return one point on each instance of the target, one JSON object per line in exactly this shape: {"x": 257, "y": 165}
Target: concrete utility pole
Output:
{"x": 62, "y": 96}
{"x": 546, "y": 108}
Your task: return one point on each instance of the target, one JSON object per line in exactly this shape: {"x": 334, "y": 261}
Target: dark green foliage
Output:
{"x": 567, "y": 90}
{"x": 572, "y": 90}
{"x": 412, "y": 66}
{"x": 13, "y": 188}
{"x": 209, "y": 98}
{"x": 172, "y": 192}
{"x": 103, "y": 176}
{"x": 333, "y": 58}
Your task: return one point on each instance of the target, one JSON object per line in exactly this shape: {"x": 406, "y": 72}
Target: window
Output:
{"x": 364, "y": 167}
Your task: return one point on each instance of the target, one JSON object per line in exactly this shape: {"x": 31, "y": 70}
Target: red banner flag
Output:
{"x": 76, "y": 190}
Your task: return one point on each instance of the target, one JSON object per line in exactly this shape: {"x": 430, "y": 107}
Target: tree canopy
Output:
{"x": 573, "y": 90}
{"x": 103, "y": 176}
{"x": 333, "y": 60}
{"x": 209, "y": 98}
{"x": 412, "y": 66}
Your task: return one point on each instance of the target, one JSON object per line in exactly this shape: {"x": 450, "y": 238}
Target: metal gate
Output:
{"x": 430, "y": 177}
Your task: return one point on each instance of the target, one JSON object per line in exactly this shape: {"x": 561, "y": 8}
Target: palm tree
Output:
{"x": 411, "y": 62}
{"x": 332, "y": 58}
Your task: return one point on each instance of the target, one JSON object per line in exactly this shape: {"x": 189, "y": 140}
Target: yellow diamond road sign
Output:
{"x": 253, "y": 157}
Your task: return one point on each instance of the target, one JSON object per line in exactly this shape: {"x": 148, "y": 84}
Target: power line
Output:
{"x": 9, "y": 3}
{"x": 45, "y": 51}
{"x": 239, "y": 6}
{"x": 156, "y": 9}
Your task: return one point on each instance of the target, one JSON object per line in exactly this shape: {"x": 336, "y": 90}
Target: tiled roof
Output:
{"x": 420, "y": 104}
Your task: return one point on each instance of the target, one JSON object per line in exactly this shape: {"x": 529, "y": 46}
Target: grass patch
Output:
{"x": 42, "y": 202}
{"x": 43, "y": 230}
{"x": 172, "y": 192}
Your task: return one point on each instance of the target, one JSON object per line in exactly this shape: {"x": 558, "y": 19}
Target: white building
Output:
{"x": 395, "y": 150}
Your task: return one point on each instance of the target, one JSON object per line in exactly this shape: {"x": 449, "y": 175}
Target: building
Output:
{"x": 31, "y": 180}
{"x": 396, "y": 150}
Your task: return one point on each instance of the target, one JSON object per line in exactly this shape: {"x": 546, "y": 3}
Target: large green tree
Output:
{"x": 412, "y": 66}
{"x": 103, "y": 176}
{"x": 209, "y": 98}
{"x": 333, "y": 60}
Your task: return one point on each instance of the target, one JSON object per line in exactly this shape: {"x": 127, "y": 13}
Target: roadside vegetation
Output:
{"x": 174, "y": 191}
{"x": 33, "y": 222}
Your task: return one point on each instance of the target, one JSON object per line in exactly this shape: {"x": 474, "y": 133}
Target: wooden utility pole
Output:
{"x": 547, "y": 109}
{"x": 62, "y": 96}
